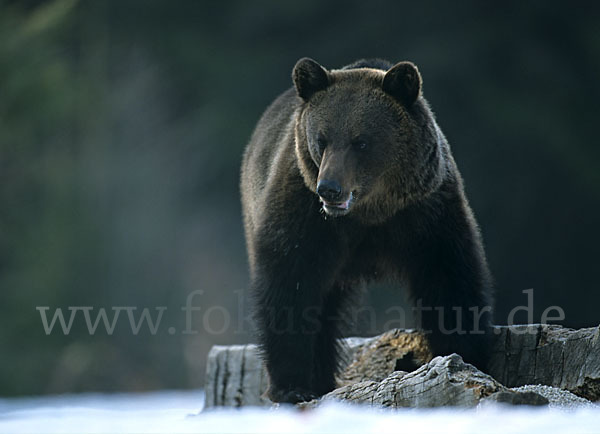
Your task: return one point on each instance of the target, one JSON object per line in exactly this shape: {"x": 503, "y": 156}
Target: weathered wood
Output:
{"x": 235, "y": 376}
{"x": 444, "y": 381}
{"x": 528, "y": 354}
{"x": 550, "y": 355}
{"x": 395, "y": 350}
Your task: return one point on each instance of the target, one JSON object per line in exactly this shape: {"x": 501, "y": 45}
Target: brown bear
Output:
{"x": 348, "y": 179}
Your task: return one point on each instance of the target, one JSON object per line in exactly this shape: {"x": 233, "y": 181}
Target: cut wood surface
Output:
{"x": 395, "y": 369}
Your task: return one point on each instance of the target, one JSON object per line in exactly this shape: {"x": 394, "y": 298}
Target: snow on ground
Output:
{"x": 178, "y": 412}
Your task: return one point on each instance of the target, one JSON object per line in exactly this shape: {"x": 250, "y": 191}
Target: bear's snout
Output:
{"x": 335, "y": 202}
{"x": 329, "y": 190}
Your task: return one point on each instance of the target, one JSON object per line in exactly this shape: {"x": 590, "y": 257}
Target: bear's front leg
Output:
{"x": 292, "y": 286}
{"x": 287, "y": 312}
{"x": 451, "y": 284}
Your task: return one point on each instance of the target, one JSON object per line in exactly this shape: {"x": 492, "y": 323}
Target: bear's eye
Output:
{"x": 360, "y": 145}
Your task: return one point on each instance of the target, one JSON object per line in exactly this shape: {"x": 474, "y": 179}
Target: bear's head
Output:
{"x": 366, "y": 142}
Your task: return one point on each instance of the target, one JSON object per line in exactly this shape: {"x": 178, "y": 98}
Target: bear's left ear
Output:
{"x": 309, "y": 77}
{"x": 403, "y": 82}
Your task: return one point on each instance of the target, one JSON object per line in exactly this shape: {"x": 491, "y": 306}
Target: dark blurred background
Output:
{"x": 122, "y": 126}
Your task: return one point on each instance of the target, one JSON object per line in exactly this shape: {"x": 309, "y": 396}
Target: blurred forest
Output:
{"x": 122, "y": 126}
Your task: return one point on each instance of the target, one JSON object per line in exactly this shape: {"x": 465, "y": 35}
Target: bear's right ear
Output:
{"x": 403, "y": 82}
{"x": 309, "y": 77}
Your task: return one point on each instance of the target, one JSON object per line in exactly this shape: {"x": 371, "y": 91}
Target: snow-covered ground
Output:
{"x": 178, "y": 412}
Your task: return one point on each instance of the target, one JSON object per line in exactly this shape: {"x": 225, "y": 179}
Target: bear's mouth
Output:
{"x": 336, "y": 209}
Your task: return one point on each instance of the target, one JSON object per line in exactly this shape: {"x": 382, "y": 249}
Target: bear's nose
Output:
{"x": 329, "y": 190}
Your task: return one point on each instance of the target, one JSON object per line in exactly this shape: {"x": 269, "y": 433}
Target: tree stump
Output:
{"x": 395, "y": 369}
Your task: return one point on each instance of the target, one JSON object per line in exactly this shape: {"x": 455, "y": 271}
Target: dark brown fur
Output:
{"x": 373, "y": 135}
